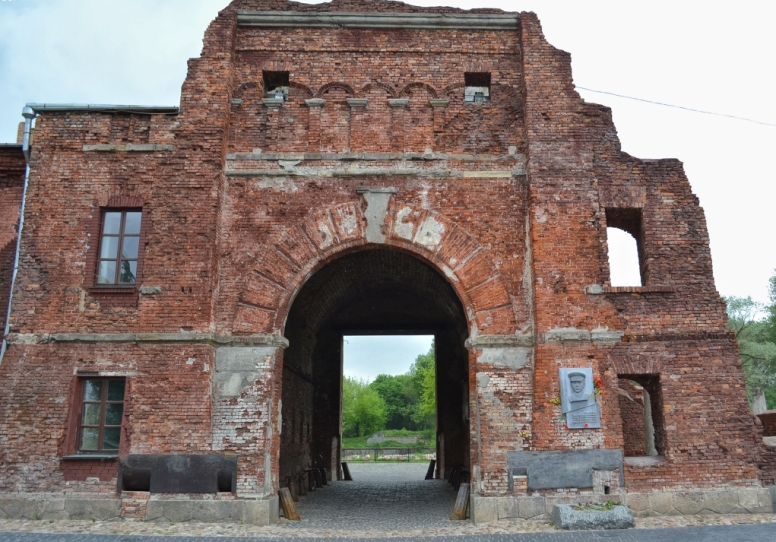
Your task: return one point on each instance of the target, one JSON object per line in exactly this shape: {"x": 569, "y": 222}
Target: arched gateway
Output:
{"x": 185, "y": 275}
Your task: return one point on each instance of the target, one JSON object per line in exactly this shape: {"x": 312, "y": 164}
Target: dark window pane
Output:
{"x": 107, "y": 273}
{"x": 91, "y": 414}
{"x": 132, "y": 224}
{"x": 116, "y": 390}
{"x": 128, "y": 272}
{"x": 113, "y": 414}
{"x": 92, "y": 390}
{"x": 112, "y": 223}
{"x": 110, "y": 439}
{"x": 129, "y": 247}
{"x": 89, "y": 439}
{"x": 110, "y": 247}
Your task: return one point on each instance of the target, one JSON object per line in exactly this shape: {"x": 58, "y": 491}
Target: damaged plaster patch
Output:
{"x": 513, "y": 358}
{"x": 401, "y": 228}
{"x": 430, "y": 233}
{"x": 483, "y": 380}
{"x": 348, "y": 222}
{"x": 328, "y": 237}
{"x": 283, "y": 184}
{"x": 376, "y": 211}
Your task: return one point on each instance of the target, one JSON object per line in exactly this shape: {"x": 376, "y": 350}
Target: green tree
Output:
{"x": 423, "y": 373}
{"x": 363, "y": 410}
{"x": 756, "y": 347}
{"x": 401, "y": 399}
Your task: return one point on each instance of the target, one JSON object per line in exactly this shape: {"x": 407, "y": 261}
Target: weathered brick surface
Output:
{"x": 492, "y": 225}
{"x": 12, "y": 168}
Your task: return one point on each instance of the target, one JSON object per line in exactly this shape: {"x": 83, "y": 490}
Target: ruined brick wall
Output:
{"x": 768, "y": 420}
{"x": 244, "y": 199}
{"x": 634, "y": 434}
{"x": 12, "y": 167}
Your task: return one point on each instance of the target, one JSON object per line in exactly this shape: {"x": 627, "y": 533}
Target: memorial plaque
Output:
{"x": 577, "y": 399}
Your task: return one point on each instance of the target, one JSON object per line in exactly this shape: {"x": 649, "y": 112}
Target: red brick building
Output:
{"x": 186, "y": 276}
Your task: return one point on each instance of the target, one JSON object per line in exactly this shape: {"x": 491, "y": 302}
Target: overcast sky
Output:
{"x": 714, "y": 56}
{"x": 366, "y": 356}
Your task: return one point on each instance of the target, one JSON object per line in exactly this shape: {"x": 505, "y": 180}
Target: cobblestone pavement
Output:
{"x": 392, "y": 501}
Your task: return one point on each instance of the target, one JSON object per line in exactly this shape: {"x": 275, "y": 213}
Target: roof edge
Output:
{"x": 405, "y": 21}
{"x": 106, "y": 108}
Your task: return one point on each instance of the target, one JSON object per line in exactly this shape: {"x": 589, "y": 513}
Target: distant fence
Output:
{"x": 388, "y": 454}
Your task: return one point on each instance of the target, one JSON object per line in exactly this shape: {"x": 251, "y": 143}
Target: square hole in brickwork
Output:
{"x": 477, "y": 88}
{"x": 276, "y": 84}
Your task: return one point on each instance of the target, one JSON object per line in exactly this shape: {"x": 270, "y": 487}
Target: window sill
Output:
{"x": 113, "y": 289}
{"x": 645, "y": 461}
{"x": 87, "y": 457}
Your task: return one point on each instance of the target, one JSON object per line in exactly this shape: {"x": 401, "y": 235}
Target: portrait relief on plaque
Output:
{"x": 577, "y": 399}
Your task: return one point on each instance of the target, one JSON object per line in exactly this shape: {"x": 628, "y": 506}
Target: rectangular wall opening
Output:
{"x": 641, "y": 412}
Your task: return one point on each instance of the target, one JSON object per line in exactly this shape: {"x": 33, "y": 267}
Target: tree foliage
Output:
{"x": 407, "y": 401}
{"x": 363, "y": 410}
{"x": 754, "y": 325}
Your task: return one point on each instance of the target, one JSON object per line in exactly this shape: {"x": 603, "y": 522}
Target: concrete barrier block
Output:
{"x": 532, "y": 508}
{"x": 508, "y": 507}
{"x": 93, "y": 508}
{"x": 54, "y": 509}
{"x": 483, "y": 509}
{"x": 565, "y": 517}
{"x": 638, "y": 503}
{"x": 260, "y": 511}
{"x": 721, "y": 502}
{"x": 662, "y": 504}
{"x": 689, "y": 503}
{"x": 212, "y": 511}
{"x": 11, "y": 507}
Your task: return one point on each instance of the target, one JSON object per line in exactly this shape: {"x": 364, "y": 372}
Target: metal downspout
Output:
{"x": 29, "y": 115}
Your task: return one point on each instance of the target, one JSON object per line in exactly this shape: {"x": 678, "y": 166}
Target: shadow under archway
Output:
{"x": 374, "y": 291}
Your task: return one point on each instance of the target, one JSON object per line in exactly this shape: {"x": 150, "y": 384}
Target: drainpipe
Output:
{"x": 29, "y": 115}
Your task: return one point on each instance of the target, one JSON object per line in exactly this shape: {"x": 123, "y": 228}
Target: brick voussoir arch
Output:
{"x": 285, "y": 266}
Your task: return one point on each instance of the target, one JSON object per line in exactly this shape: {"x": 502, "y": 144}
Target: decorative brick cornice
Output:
{"x": 190, "y": 337}
{"x": 405, "y": 21}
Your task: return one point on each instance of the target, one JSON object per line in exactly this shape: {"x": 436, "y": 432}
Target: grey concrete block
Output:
{"x": 662, "y": 503}
{"x": 213, "y": 511}
{"x": 54, "y": 509}
{"x": 93, "y": 508}
{"x": 508, "y": 507}
{"x": 565, "y": 517}
{"x": 154, "y": 510}
{"x": 564, "y": 469}
{"x": 688, "y": 503}
{"x": 721, "y": 502}
{"x": 260, "y": 511}
{"x": 763, "y": 498}
{"x": 638, "y": 503}
{"x": 483, "y": 509}
{"x": 242, "y": 358}
{"x": 532, "y": 507}
{"x": 32, "y": 508}
{"x": 11, "y": 507}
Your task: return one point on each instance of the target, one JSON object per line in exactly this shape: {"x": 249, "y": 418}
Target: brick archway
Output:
{"x": 283, "y": 267}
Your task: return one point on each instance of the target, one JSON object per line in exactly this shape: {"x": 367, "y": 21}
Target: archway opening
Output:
{"x": 378, "y": 291}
